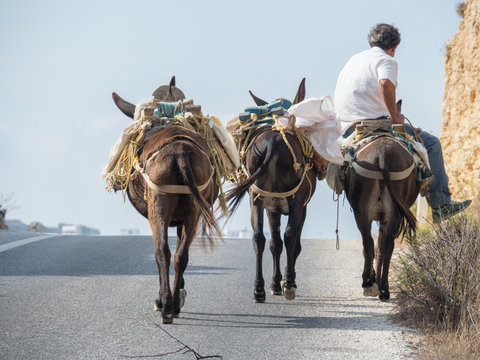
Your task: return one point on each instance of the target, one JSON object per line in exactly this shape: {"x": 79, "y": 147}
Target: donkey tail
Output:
{"x": 210, "y": 226}
{"x": 408, "y": 224}
{"x": 234, "y": 196}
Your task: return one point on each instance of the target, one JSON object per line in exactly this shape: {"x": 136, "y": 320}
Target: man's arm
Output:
{"x": 387, "y": 91}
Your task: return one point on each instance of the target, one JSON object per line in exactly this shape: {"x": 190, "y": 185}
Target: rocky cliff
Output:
{"x": 461, "y": 104}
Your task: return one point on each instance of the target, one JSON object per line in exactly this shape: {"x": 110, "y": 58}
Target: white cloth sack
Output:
{"x": 317, "y": 119}
{"x": 421, "y": 151}
{"x": 226, "y": 140}
{"x": 117, "y": 149}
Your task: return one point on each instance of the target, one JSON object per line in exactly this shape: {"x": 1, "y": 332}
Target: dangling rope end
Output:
{"x": 337, "y": 244}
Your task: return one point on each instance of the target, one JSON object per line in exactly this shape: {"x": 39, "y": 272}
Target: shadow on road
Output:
{"x": 275, "y": 321}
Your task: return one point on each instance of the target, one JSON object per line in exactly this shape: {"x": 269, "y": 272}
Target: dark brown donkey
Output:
{"x": 270, "y": 163}
{"x": 180, "y": 157}
{"x": 385, "y": 200}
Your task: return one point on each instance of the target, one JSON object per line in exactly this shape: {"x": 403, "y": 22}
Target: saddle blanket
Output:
{"x": 349, "y": 146}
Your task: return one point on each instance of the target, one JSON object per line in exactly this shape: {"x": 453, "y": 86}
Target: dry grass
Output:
{"x": 461, "y": 345}
{"x": 438, "y": 282}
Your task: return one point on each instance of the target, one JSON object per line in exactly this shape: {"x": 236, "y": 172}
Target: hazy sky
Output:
{"x": 61, "y": 60}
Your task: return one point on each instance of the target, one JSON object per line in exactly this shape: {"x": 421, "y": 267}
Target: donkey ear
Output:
{"x": 399, "y": 106}
{"x": 257, "y": 100}
{"x": 172, "y": 84}
{"x": 300, "y": 92}
{"x": 124, "y": 106}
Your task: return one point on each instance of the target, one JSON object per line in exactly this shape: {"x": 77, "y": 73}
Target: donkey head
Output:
{"x": 166, "y": 93}
{"x": 298, "y": 98}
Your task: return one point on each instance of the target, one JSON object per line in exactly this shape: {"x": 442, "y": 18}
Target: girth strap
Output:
{"x": 277, "y": 194}
{"x": 285, "y": 194}
{"x": 172, "y": 189}
{"x": 371, "y": 174}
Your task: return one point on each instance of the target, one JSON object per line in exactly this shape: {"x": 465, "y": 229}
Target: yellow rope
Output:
{"x": 281, "y": 129}
{"x": 124, "y": 171}
{"x": 310, "y": 192}
{"x": 224, "y": 167}
{"x": 245, "y": 144}
{"x": 305, "y": 144}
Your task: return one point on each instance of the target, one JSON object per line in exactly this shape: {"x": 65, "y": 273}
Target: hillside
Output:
{"x": 461, "y": 105}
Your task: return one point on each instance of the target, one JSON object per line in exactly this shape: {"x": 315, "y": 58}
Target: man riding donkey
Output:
{"x": 366, "y": 90}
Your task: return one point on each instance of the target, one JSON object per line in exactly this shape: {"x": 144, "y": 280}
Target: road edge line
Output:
{"x": 17, "y": 243}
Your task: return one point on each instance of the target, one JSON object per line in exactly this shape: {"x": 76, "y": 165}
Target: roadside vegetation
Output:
{"x": 438, "y": 282}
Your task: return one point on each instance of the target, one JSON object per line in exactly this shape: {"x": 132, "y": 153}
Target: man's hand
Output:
{"x": 387, "y": 91}
{"x": 398, "y": 118}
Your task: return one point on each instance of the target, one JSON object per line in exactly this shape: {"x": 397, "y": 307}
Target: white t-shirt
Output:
{"x": 357, "y": 94}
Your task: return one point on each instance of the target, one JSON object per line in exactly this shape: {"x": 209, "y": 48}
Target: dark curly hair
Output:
{"x": 384, "y": 36}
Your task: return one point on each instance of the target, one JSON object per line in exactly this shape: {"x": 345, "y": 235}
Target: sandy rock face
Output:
{"x": 461, "y": 105}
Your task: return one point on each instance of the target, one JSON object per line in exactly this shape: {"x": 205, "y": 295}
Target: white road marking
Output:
{"x": 17, "y": 243}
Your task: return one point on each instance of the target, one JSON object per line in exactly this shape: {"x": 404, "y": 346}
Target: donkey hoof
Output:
{"x": 167, "y": 318}
{"x": 276, "y": 292}
{"x": 288, "y": 292}
{"x": 371, "y": 291}
{"x": 384, "y": 295}
{"x": 183, "y": 295}
{"x": 259, "y": 296}
{"x": 275, "y": 289}
{"x": 157, "y": 306}
{"x": 176, "y": 314}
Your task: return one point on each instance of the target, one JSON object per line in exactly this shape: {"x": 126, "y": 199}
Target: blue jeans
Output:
{"x": 437, "y": 193}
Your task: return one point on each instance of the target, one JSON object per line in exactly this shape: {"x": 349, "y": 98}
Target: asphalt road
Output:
{"x": 80, "y": 297}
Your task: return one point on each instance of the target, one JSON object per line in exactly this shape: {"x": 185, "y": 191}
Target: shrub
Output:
{"x": 461, "y": 9}
{"x": 439, "y": 275}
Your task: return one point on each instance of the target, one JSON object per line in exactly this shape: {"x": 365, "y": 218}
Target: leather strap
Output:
{"x": 172, "y": 189}
{"x": 394, "y": 175}
{"x": 372, "y": 174}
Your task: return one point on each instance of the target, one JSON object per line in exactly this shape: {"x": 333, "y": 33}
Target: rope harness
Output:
{"x": 374, "y": 174}
{"x": 247, "y": 130}
{"x": 221, "y": 161}
{"x": 171, "y": 189}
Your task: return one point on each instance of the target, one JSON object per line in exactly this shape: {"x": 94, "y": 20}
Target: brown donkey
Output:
{"x": 385, "y": 200}
{"x": 276, "y": 187}
{"x": 179, "y": 157}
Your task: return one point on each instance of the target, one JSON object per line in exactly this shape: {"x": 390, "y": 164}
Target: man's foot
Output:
{"x": 448, "y": 210}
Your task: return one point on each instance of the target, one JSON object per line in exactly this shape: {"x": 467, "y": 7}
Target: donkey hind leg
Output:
{"x": 276, "y": 248}
{"x": 159, "y": 218}
{"x": 257, "y": 207}
{"x": 293, "y": 232}
{"x": 386, "y": 242}
{"x": 369, "y": 284}
{"x": 185, "y": 236}
{"x": 164, "y": 302}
